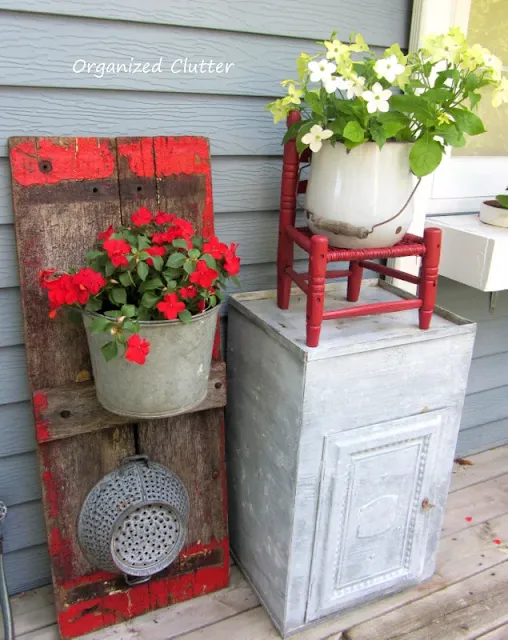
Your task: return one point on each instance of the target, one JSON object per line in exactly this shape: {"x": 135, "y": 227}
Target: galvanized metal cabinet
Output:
{"x": 340, "y": 456}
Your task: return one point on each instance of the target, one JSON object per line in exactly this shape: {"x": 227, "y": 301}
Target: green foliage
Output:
{"x": 425, "y": 156}
{"x": 502, "y": 198}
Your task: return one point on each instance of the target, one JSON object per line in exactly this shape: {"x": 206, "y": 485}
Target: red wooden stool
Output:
{"x": 312, "y": 283}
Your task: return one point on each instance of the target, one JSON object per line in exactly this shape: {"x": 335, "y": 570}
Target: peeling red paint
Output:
{"x": 40, "y": 403}
{"x": 50, "y": 488}
{"x": 113, "y": 608}
{"x": 41, "y": 430}
{"x": 90, "y": 578}
{"x": 47, "y": 162}
{"x": 140, "y": 156}
{"x": 188, "y": 155}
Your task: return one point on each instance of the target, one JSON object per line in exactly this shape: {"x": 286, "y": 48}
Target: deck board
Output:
{"x": 463, "y": 600}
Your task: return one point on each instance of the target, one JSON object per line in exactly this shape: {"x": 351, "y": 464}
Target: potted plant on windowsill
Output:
{"x": 377, "y": 125}
{"x": 152, "y": 291}
{"x": 495, "y": 212}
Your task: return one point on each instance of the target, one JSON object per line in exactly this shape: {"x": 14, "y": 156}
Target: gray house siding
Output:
{"x": 40, "y": 95}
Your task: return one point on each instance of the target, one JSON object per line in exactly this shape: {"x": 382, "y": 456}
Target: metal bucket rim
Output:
{"x": 158, "y": 323}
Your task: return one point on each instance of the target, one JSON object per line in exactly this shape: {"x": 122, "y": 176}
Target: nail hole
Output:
{"x": 493, "y": 573}
{"x": 139, "y": 188}
{"x": 218, "y": 385}
{"x": 454, "y": 539}
{"x": 45, "y": 166}
{"x": 95, "y": 189}
{"x": 483, "y": 555}
{"x": 471, "y": 593}
{"x": 65, "y": 413}
{"x": 480, "y": 564}
{"x": 398, "y": 230}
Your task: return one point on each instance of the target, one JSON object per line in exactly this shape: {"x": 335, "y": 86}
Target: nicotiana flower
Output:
{"x": 337, "y": 82}
{"x": 356, "y": 86}
{"x": 388, "y": 68}
{"x": 500, "y": 94}
{"x": 335, "y": 49}
{"x": 377, "y": 98}
{"x": 316, "y": 136}
{"x": 321, "y": 71}
{"x": 494, "y": 66}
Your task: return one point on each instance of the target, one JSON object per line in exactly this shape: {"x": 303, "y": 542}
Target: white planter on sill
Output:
{"x": 491, "y": 212}
{"x": 348, "y": 193}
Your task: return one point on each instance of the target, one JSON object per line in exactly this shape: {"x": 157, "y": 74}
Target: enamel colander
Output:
{"x": 134, "y": 520}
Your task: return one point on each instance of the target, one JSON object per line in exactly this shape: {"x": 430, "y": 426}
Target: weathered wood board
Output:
{"x": 65, "y": 191}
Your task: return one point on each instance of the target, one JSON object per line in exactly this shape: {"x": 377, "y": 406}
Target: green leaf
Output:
{"x": 100, "y": 324}
{"x": 467, "y": 121}
{"x": 125, "y": 279}
{"x": 112, "y": 314}
{"x": 144, "y": 314}
{"x": 185, "y": 316}
{"x": 109, "y": 351}
{"x": 189, "y": 267}
{"x": 149, "y": 299}
{"x": 143, "y": 242}
{"x": 128, "y": 310}
{"x": 74, "y": 315}
{"x": 172, "y": 284}
{"x": 109, "y": 270}
{"x": 92, "y": 255}
{"x": 93, "y": 304}
{"x": 142, "y": 270}
{"x": 119, "y": 295}
{"x": 354, "y": 131}
{"x": 212, "y": 301}
{"x": 176, "y": 260}
{"x": 425, "y": 156}
{"x": 442, "y": 76}
{"x": 474, "y": 99}
{"x": 471, "y": 83}
{"x": 153, "y": 283}
{"x": 314, "y": 102}
{"x": 180, "y": 243}
{"x": 158, "y": 262}
{"x": 197, "y": 241}
{"x": 292, "y": 131}
{"x": 413, "y": 104}
{"x": 503, "y": 200}
{"x": 169, "y": 274}
{"x": 392, "y": 122}
{"x": 438, "y": 95}
{"x": 194, "y": 254}
{"x": 236, "y": 281}
{"x": 451, "y": 135}
{"x": 130, "y": 326}
{"x": 210, "y": 261}
{"x": 377, "y": 133}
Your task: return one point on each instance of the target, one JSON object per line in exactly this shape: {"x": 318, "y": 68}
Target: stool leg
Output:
{"x": 354, "y": 282}
{"x": 427, "y": 289}
{"x": 284, "y": 260}
{"x": 316, "y": 288}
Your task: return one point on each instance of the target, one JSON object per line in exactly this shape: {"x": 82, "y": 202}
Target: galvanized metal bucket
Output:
{"x": 174, "y": 377}
{"x": 134, "y": 520}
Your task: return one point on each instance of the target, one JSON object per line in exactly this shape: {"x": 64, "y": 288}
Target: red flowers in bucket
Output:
{"x": 157, "y": 268}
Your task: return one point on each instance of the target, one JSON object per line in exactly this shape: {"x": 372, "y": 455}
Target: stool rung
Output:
{"x": 372, "y": 309}
{"x": 388, "y": 271}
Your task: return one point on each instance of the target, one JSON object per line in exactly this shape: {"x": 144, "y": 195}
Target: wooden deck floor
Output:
{"x": 467, "y": 598}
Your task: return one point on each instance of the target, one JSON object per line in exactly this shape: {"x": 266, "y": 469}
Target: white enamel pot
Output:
{"x": 363, "y": 197}
{"x": 491, "y": 212}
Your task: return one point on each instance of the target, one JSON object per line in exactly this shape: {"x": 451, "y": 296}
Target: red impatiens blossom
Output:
{"x": 187, "y": 293}
{"x": 44, "y": 275}
{"x": 89, "y": 281}
{"x": 203, "y": 276}
{"x": 141, "y": 216}
{"x": 231, "y": 261}
{"x": 117, "y": 251}
{"x": 137, "y": 349}
{"x": 170, "y": 306}
{"x": 178, "y": 229}
{"x": 154, "y": 251}
{"x": 61, "y": 290}
{"x": 201, "y": 305}
{"x": 215, "y": 248}
{"x": 106, "y": 235}
{"x": 163, "y": 218}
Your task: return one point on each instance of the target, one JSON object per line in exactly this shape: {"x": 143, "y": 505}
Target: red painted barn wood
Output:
{"x": 65, "y": 191}
{"x": 312, "y": 283}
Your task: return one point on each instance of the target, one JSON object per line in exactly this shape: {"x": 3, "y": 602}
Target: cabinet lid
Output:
{"x": 347, "y": 335}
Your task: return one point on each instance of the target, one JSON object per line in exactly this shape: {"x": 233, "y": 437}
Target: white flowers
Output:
{"x": 316, "y": 136}
{"x": 389, "y": 68}
{"x": 321, "y": 71}
{"x": 337, "y": 82}
{"x": 377, "y": 99}
{"x": 356, "y": 86}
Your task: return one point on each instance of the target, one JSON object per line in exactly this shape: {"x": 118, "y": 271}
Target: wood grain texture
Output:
{"x": 485, "y": 465}
{"x": 257, "y": 63}
{"x": 236, "y": 125}
{"x": 380, "y": 23}
{"x": 74, "y": 409}
{"x": 239, "y": 184}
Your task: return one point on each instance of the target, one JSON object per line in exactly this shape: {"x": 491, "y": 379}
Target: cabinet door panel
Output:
{"x": 375, "y": 509}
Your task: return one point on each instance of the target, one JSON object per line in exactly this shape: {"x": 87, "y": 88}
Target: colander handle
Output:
{"x": 130, "y": 459}
{"x": 132, "y": 581}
